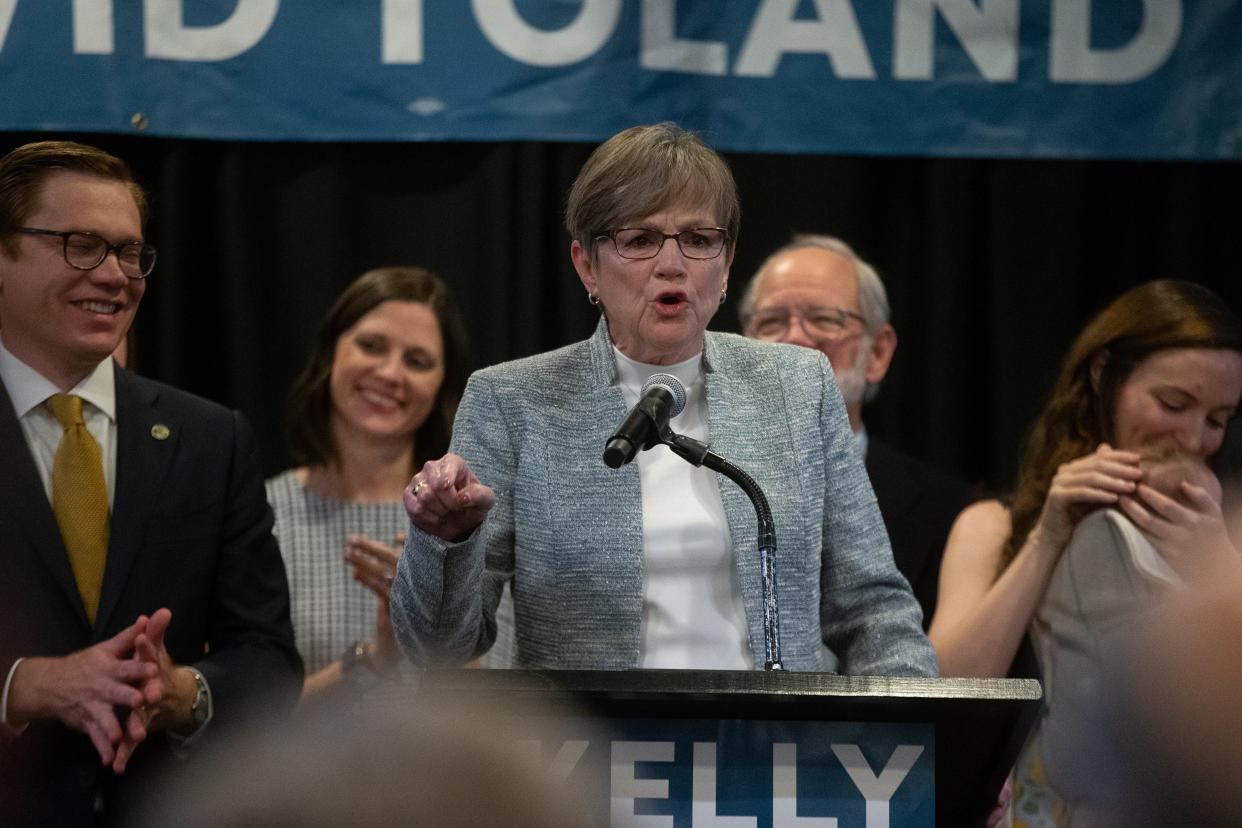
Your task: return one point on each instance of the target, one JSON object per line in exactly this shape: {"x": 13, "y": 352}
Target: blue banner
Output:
{"x": 678, "y": 773}
{"x": 1013, "y": 78}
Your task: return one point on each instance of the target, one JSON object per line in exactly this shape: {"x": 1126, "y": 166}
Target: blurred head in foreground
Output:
{"x": 404, "y": 760}
{"x": 1180, "y": 723}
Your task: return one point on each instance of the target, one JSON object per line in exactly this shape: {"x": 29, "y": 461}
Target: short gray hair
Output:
{"x": 872, "y": 297}
{"x": 642, "y": 170}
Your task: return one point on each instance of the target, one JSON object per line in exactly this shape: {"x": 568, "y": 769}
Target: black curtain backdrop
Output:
{"x": 991, "y": 266}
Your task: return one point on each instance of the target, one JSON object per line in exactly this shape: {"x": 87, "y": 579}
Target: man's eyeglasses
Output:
{"x": 86, "y": 251}
{"x": 821, "y": 323}
{"x": 645, "y": 243}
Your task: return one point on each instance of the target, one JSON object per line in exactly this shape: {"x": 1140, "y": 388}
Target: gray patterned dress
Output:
{"x": 330, "y": 609}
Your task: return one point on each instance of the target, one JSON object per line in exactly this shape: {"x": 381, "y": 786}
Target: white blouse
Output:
{"x": 693, "y": 616}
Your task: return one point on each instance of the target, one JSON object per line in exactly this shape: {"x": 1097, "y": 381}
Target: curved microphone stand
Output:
{"x": 700, "y": 454}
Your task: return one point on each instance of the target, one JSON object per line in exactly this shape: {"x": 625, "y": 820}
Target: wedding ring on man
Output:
{"x": 419, "y": 485}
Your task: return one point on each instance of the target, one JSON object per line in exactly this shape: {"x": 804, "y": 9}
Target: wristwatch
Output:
{"x": 357, "y": 668}
{"x": 200, "y": 709}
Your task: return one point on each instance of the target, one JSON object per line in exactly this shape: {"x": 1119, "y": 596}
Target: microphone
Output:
{"x": 661, "y": 399}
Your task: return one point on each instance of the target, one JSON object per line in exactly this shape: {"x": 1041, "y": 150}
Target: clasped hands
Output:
{"x": 117, "y": 692}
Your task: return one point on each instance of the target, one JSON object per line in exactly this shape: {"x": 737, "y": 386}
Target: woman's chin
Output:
{"x": 674, "y": 334}
{"x": 380, "y": 429}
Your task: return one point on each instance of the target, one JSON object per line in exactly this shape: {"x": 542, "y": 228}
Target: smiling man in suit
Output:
{"x": 143, "y": 601}
{"x": 816, "y": 292}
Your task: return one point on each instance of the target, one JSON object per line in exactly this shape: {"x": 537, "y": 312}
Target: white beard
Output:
{"x": 853, "y": 383}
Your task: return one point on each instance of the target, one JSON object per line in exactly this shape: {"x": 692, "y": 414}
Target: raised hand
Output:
{"x": 1191, "y": 536}
{"x": 375, "y": 565}
{"x": 1100, "y": 478}
{"x": 445, "y": 499}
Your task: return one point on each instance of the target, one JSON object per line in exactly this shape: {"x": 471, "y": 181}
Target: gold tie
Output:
{"x": 80, "y": 499}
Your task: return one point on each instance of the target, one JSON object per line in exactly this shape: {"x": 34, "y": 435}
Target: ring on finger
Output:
{"x": 419, "y": 486}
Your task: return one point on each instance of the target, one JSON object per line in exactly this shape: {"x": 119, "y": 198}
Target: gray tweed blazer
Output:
{"x": 566, "y": 530}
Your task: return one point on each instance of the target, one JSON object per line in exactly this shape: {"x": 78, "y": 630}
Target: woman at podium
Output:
{"x": 653, "y": 564}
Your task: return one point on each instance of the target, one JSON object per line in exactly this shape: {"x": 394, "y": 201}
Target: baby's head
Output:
{"x": 1164, "y": 469}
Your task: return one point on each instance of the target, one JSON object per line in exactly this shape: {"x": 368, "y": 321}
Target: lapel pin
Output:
{"x": 160, "y": 431}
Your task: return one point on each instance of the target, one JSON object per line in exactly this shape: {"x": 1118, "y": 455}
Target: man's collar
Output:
{"x": 28, "y": 388}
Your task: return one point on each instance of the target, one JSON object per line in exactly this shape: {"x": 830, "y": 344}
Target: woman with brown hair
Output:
{"x": 375, "y": 401}
{"x": 1160, "y": 366}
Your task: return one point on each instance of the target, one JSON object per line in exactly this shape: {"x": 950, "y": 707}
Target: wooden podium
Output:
{"x": 778, "y": 748}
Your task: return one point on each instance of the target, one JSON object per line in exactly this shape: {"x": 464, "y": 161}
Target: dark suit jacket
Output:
{"x": 919, "y": 504}
{"x": 191, "y": 531}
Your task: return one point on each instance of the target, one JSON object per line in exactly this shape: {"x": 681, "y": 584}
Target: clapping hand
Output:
{"x": 375, "y": 565}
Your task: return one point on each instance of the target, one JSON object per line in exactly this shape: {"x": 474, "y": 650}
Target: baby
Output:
{"x": 1164, "y": 469}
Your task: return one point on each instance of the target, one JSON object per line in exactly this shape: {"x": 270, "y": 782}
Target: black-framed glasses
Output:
{"x": 85, "y": 250}
{"x": 821, "y": 323}
{"x": 646, "y": 243}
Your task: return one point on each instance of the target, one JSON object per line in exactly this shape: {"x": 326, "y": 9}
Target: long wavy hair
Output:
{"x": 310, "y": 399}
{"x": 1078, "y": 415}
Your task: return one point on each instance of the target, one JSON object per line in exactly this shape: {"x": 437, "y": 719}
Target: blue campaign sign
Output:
{"x": 1019, "y": 78}
{"x": 680, "y": 773}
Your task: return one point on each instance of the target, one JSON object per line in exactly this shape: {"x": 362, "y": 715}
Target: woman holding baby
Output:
{"x": 1158, "y": 370}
